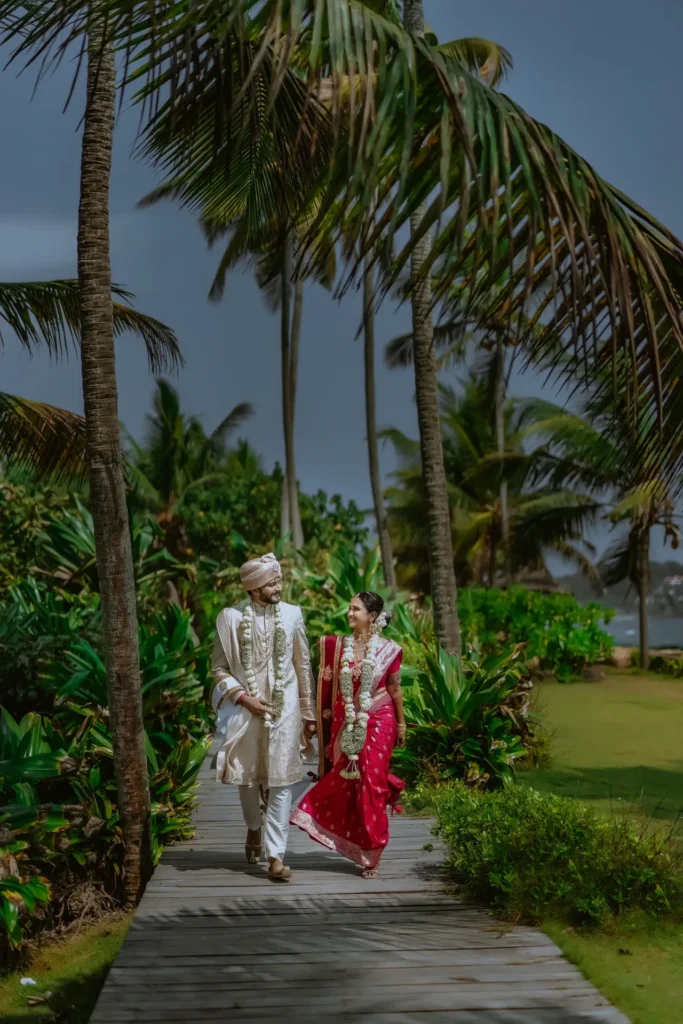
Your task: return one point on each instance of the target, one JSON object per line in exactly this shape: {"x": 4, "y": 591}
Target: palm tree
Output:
{"x": 602, "y": 449}
{"x": 106, "y": 477}
{"x": 177, "y": 458}
{"x": 273, "y": 250}
{"x": 507, "y": 194}
{"x": 381, "y": 520}
{"x": 43, "y": 437}
{"x": 510, "y": 198}
{"x": 540, "y": 517}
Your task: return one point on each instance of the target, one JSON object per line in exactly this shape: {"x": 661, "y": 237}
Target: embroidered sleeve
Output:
{"x": 226, "y": 686}
{"x": 301, "y": 659}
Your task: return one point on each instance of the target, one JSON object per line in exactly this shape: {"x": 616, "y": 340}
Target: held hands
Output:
{"x": 310, "y": 730}
{"x": 254, "y": 704}
{"x": 401, "y": 734}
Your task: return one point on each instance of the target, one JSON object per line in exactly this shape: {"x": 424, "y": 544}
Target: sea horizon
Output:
{"x": 665, "y": 631}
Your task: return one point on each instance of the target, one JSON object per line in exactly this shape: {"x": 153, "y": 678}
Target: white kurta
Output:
{"x": 251, "y": 754}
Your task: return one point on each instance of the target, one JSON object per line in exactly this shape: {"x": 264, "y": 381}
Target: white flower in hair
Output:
{"x": 381, "y": 622}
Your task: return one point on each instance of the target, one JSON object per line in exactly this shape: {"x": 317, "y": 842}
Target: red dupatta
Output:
{"x": 330, "y": 648}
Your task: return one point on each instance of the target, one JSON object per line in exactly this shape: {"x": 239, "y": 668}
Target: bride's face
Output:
{"x": 360, "y": 619}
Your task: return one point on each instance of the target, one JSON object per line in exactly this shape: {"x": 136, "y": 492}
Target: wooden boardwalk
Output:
{"x": 213, "y": 940}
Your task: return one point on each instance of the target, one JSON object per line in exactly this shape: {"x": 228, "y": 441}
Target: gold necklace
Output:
{"x": 360, "y": 646}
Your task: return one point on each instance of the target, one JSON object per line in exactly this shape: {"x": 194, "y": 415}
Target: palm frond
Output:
{"x": 506, "y": 196}
{"x": 44, "y": 438}
{"x": 48, "y": 313}
{"x": 620, "y": 561}
{"x": 483, "y": 57}
{"x": 398, "y": 352}
{"x": 235, "y": 418}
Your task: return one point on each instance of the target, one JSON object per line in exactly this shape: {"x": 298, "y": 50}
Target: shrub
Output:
{"x": 564, "y": 635}
{"x": 532, "y": 856}
{"x": 37, "y": 628}
{"x": 665, "y": 666}
{"x": 467, "y": 718}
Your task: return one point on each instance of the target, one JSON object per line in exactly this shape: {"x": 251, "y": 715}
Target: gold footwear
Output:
{"x": 252, "y": 847}
{"x": 279, "y": 872}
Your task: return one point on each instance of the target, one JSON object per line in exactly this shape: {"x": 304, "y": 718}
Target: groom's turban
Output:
{"x": 259, "y": 571}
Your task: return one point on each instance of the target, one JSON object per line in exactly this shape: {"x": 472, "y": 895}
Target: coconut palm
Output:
{"x": 504, "y": 193}
{"x": 601, "y": 449}
{"x": 177, "y": 458}
{"x": 47, "y": 314}
{"x": 541, "y": 517}
{"x": 272, "y": 249}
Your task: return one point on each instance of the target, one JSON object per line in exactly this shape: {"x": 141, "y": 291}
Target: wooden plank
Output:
{"x": 214, "y": 939}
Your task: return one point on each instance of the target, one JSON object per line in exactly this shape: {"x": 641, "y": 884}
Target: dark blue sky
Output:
{"x": 604, "y": 75}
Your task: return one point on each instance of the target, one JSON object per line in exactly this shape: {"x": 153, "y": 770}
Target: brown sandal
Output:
{"x": 279, "y": 872}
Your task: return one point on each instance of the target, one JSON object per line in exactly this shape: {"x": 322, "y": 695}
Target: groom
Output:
{"x": 262, "y": 670}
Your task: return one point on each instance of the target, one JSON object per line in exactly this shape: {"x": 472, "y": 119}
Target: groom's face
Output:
{"x": 271, "y": 593}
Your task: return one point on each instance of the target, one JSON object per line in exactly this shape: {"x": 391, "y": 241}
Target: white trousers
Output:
{"x": 277, "y": 816}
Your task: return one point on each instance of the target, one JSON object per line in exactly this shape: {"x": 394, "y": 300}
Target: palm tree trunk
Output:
{"x": 643, "y": 592}
{"x": 290, "y": 481}
{"x": 500, "y": 445}
{"x": 295, "y": 511}
{"x": 371, "y": 427}
{"x": 441, "y": 568}
{"x": 107, "y": 489}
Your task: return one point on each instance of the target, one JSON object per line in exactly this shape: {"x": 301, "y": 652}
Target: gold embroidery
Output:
{"x": 327, "y": 713}
{"x": 327, "y": 674}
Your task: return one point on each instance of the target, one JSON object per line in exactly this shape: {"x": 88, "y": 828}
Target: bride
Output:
{"x": 360, "y": 720}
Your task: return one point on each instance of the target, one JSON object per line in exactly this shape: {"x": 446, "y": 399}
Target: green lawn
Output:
{"x": 69, "y": 972}
{"x": 619, "y": 744}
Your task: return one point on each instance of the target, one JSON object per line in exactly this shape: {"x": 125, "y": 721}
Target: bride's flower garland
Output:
{"x": 277, "y": 699}
{"x": 355, "y": 732}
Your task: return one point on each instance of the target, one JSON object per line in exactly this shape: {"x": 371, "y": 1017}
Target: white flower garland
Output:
{"x": 355, "y": 732}
{"x": 277, "y": 700}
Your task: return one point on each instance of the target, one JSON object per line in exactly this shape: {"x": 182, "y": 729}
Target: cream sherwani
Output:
{"x": 252, "y": 755}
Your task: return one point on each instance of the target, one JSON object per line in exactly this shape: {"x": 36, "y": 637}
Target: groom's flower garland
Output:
{"x": 354, "y": 735}
{"x": 277, "y": 699}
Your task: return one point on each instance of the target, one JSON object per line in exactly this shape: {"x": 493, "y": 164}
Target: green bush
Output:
{"x": 530, "y": 856}
{"x": 58, "y": 816}
{"x": 38, "y": 625}
{"x": 467, "y": 719}
{"x": 228, "y": 520}
{"x": 564, "y": 635}
{"x": 665, "y": 666}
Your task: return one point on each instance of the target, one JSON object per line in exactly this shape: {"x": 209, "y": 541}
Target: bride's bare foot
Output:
{"x": 370, "y": 873}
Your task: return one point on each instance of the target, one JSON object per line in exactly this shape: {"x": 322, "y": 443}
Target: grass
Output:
{"x": 72, "y": 969}
{"x": 617, "y": 744}
{"x": 639, "y": 969}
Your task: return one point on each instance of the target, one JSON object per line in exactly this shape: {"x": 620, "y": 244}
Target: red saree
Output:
{"x": 350, "y": 815}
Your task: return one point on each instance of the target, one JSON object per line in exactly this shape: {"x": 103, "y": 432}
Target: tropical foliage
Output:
{"x": 601, "y": 449}
{"x": 544, "y": 515}
{"x": 558, "y": 633}
{"x": 533, "y": 857}
{"x": 58, "y": 816}
{"x": 467, "y": 719}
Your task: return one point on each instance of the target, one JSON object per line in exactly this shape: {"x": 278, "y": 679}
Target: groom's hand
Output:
{"x": 254, "y": 704}
{"x": 310, "y": 730}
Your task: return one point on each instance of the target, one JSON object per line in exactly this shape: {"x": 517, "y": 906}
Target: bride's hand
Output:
{"x": 401, "y": 734}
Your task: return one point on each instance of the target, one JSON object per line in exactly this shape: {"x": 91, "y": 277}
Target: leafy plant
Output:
{"x": 532, "y": 856}
{"x": 326, "y": 596}
{"x": 37, "y": 627}
{"x": 563, "y": 634}
{"x": 467, "y": 719}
